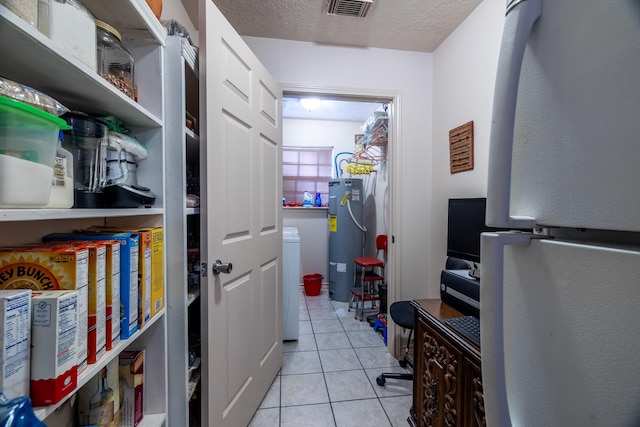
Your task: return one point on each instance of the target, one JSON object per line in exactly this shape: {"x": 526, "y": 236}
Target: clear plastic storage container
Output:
{"x": 115, "y": 62}
{"x": 71, "y": 25}
{"x": 27, "y": 152}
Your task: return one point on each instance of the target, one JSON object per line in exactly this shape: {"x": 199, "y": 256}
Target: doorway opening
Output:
{"x": 347, "y": 123}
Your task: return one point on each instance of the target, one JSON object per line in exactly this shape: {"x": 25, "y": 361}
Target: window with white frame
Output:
{"x": 306, "y": 169}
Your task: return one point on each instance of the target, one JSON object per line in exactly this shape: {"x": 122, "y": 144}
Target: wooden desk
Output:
{"x": 447, "y": 386}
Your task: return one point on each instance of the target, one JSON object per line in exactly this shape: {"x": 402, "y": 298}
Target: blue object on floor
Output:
{"x": 379, "y": 324}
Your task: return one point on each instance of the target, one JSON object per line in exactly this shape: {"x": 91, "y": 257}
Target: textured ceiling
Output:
{"x": 415, "y": 25}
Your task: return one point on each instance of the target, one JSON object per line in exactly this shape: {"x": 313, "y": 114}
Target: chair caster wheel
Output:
{"x": 381, "y": 380}
{"x": 403, "y": 362}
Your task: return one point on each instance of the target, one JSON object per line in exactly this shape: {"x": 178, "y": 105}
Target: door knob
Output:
{"x": 221, "y": 267}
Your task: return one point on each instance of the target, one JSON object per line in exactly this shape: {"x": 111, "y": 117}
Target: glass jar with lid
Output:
{"x": 115, "y": 62}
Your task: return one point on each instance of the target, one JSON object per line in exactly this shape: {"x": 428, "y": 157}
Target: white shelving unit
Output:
{"x": 182, "y": 153}
{"x": 31, "y": 58}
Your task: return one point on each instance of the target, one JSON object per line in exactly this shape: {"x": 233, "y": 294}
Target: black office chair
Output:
{"x": 402, "y": 313}
{"x": 456, "y": 264}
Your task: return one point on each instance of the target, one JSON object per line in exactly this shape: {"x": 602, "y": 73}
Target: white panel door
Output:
{"x": 241, "y": 194}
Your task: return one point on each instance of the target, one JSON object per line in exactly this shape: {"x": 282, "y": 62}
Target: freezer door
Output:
{"x": 576, "y": 138}
{"x": 571, "y": 348}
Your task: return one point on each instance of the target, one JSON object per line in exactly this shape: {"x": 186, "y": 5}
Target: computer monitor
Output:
{"x": 466, "y": 221}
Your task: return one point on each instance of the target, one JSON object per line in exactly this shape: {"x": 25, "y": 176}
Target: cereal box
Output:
{"x": 96, "y": 334}
{"x": 112, "y": 293}
{"x": 96, "y": 328}
{"x": 132, "y": 380}
{"x": 54, "y": 365}
{"x": 129, "y": 255}
{"x": 15, "y": 335}
{"x": 144, "y": 273}
{"x": 47, "y": 268}
{"x": 157, "y": 270}
{"x": 144, "y": 269}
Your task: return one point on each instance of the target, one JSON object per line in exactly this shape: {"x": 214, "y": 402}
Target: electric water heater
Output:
{"x": 345, "y": 234}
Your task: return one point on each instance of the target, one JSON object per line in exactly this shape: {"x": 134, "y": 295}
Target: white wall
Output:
{"x": 313, "y": 229}
{"x": 173, "y": 9}
{"x": 464, "y": 76}
{"x": 320, "y": 133}
{"x": 312, "y": 223}
{"x": 358, "y": 70}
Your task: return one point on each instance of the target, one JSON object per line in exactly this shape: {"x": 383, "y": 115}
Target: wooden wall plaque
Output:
{"x": 461, "y": 148}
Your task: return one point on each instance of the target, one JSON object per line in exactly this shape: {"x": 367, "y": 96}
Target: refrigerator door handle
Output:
{"x": 491, "y": 324}
{"x": 521, "y": 15}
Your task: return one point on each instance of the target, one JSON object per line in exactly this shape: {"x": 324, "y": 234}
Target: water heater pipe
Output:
{"x": 344, "y": 200}
{"x": 335, "y": 162}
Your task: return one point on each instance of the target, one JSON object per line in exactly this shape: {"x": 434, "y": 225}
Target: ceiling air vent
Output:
{"x": 349, "y": 7}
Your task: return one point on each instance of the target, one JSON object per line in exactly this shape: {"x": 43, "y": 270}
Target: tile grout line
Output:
{"x": 324, "y": 377}
{"x": 352, "y": 347}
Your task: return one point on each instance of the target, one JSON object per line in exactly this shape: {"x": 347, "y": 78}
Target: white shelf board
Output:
{"x": 191, "y": 136}
{"x": 192, "y": 295}
{"x": 153, "y": 420}
{"x": 7, "y": 215}
{"x": 128, "y": 16}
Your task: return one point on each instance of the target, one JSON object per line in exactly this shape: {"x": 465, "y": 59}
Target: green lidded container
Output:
{"x": 28, "y": 139}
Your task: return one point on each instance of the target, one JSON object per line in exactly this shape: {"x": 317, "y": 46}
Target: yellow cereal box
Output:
{"x": 46, "y": 268}
{"x": 157, "y": 270}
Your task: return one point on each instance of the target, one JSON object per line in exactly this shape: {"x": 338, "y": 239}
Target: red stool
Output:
{"x": 370, "y": 271}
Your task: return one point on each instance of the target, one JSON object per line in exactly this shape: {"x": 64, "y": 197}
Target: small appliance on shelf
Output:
{"x": 123, "y": 190}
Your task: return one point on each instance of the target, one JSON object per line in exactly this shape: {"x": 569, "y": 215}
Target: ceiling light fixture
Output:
{"x": 310, "y": 103}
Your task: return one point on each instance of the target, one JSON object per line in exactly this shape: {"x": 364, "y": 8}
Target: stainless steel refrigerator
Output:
{"x": 560, "y": 307}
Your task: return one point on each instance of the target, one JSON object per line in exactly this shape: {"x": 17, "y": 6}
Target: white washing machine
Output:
{"x": 290, "y": 283}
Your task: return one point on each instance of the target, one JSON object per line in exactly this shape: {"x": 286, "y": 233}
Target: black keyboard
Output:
{"x": 467, "y": 326}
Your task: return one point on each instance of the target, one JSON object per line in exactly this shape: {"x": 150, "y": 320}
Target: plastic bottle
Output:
{"x": 318, "y": 201}
{"x": 62, "y": 180}
{"x": 307, "y": 201}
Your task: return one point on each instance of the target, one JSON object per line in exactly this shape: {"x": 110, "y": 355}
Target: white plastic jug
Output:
{"x": 307, "y": 202}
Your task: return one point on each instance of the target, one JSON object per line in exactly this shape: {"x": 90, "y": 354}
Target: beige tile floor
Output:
{"x": 328, "y": 376}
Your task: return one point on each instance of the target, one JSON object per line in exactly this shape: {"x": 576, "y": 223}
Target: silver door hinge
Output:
{"x": 542, "y": 231}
